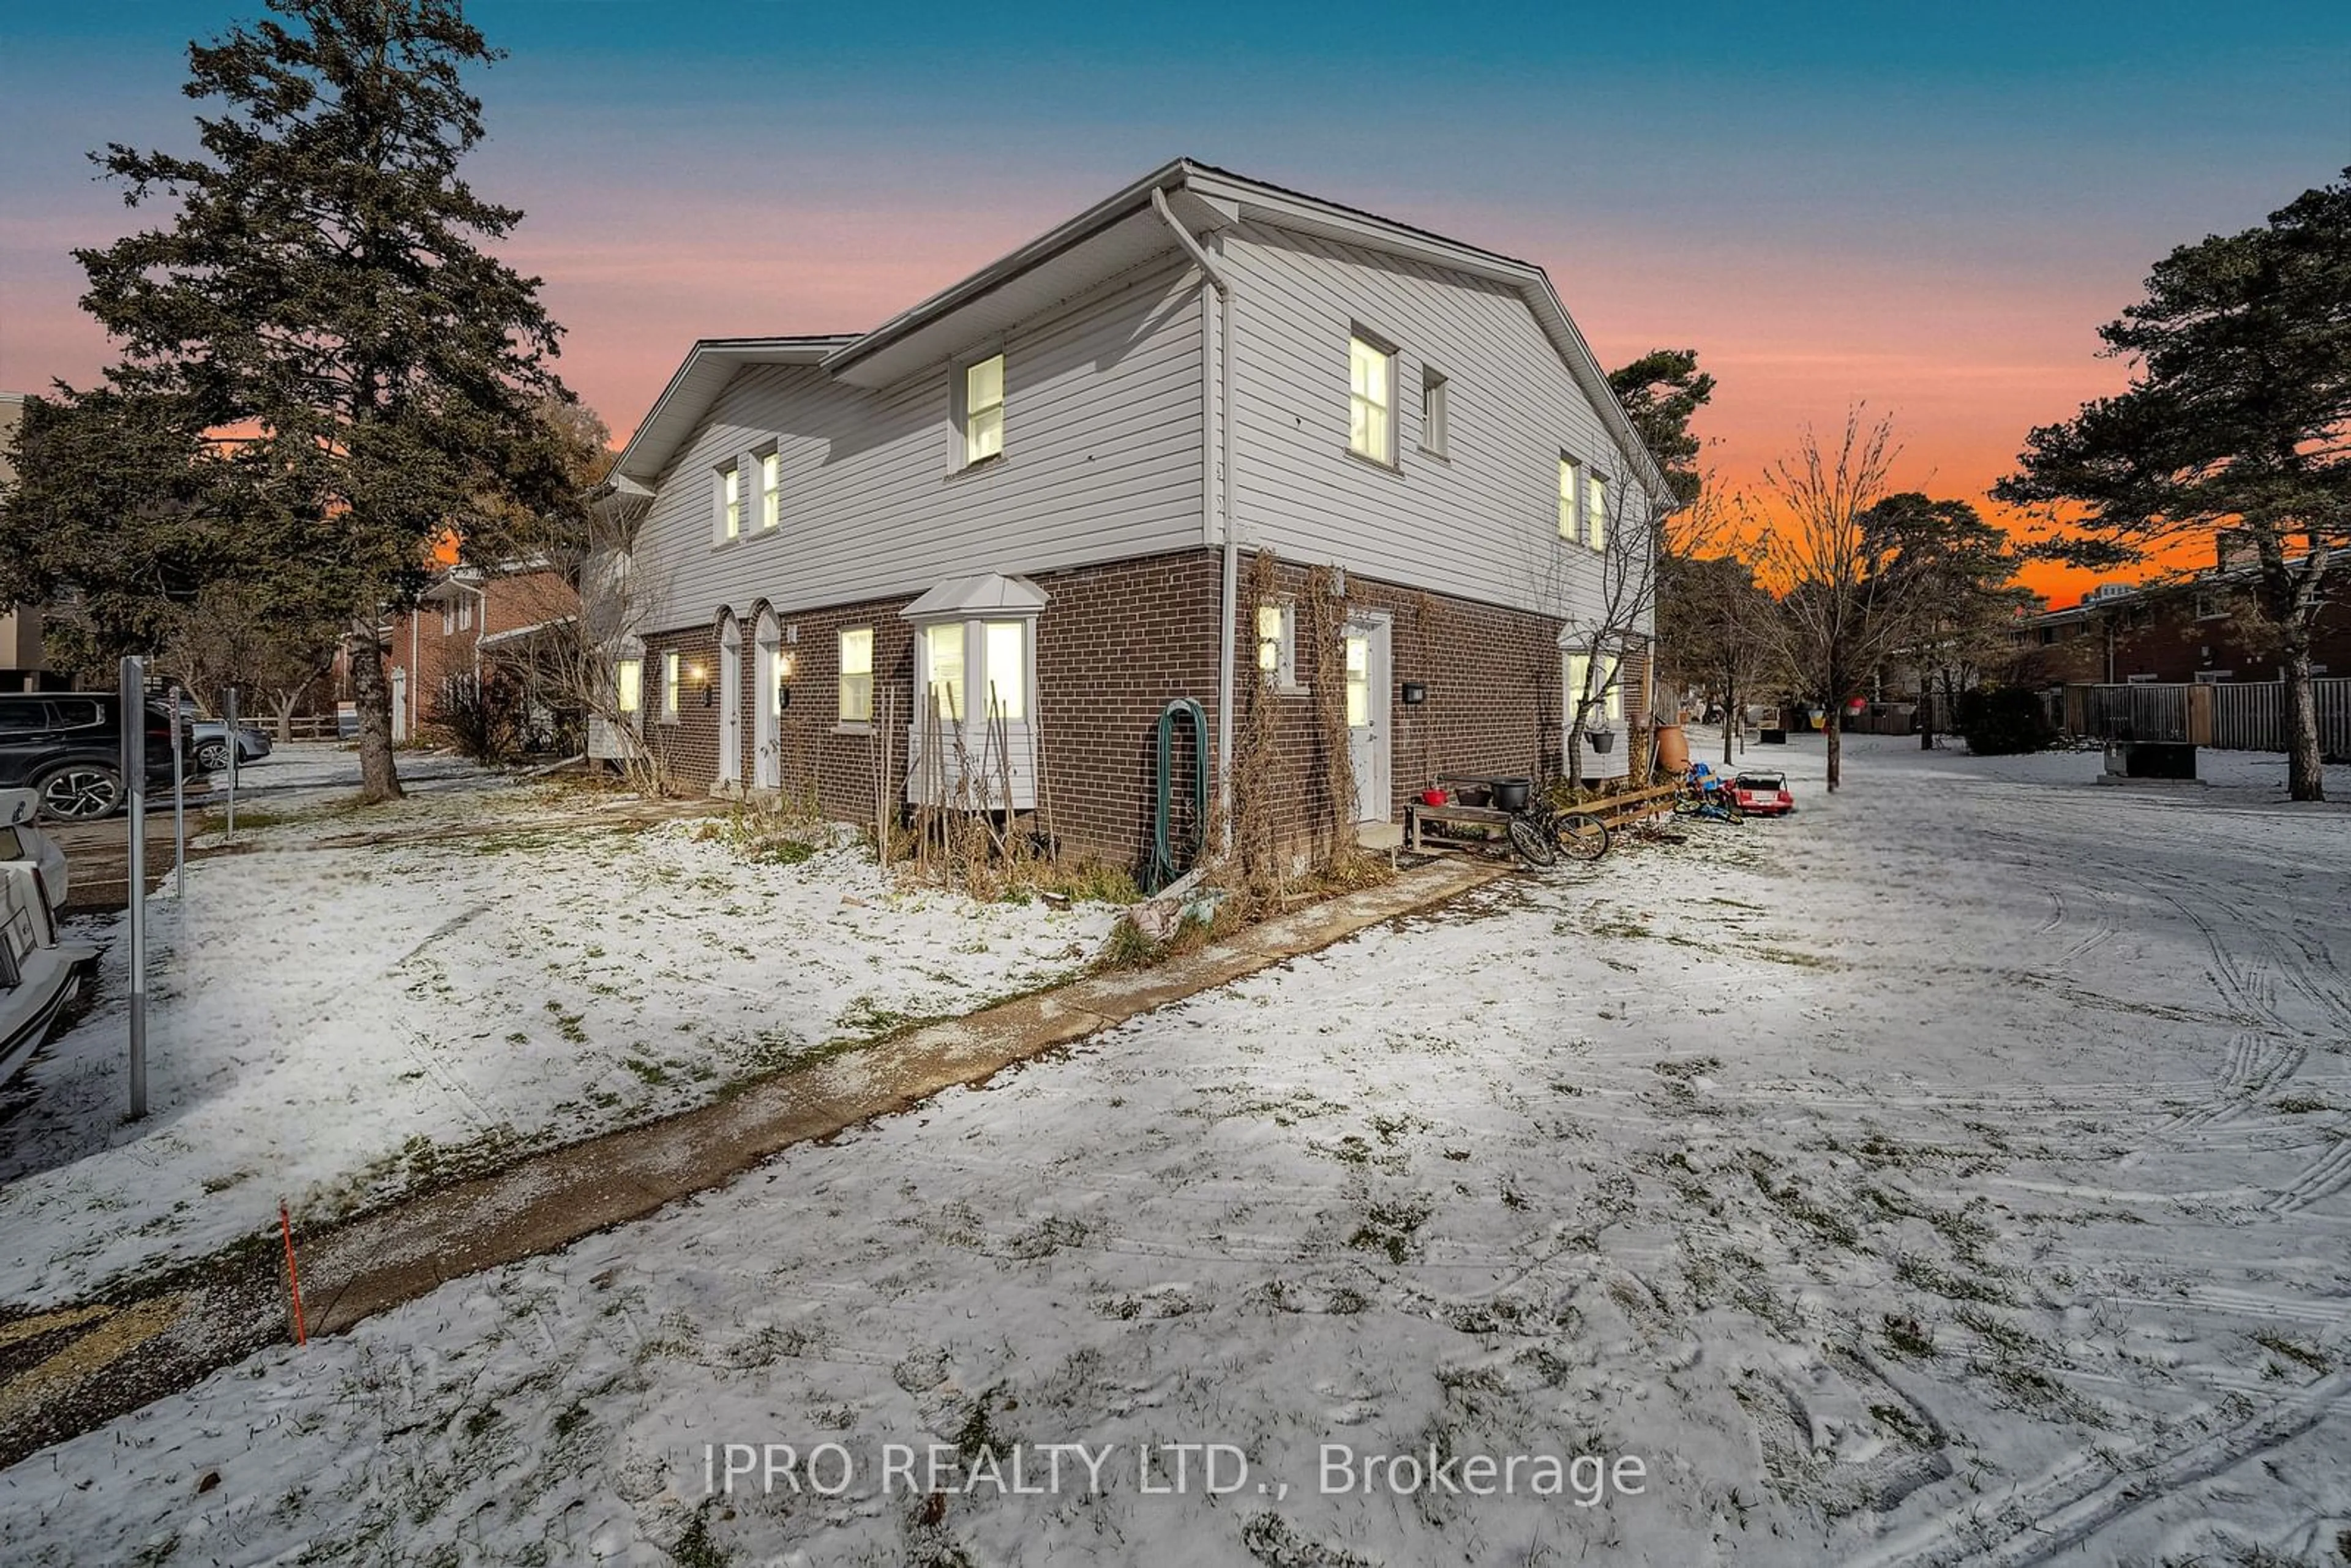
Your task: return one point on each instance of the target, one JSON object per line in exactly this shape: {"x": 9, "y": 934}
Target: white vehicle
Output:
{"x": 38, "y": 973}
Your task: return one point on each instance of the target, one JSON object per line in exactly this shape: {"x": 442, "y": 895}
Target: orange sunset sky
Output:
{"x": 1927, "y": 212}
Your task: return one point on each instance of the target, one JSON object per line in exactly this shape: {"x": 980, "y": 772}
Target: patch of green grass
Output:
{"x": 1789, "y": 955}
{"x": 1926, "y": 1274}
{"x": 2301, "y": 1104}
{"x": 1390, "y": 1228}
{"x": 1907, "y": 1337}
{"x": 2316, "y": 1360}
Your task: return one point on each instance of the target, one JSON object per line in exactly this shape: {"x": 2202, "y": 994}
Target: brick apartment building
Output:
{"x": 465, "y": 622}
{"x": 2199, "y": 629}
{"x": 1032, "y": 499}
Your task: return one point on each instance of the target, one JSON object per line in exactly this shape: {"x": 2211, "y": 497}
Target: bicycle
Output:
{"x": 1540, "y": 833}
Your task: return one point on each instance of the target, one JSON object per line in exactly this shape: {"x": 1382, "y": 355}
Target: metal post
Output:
{"x": 132, "y": 693}
{"x": 179, "y": 802}
{"x": 230, "y": 716}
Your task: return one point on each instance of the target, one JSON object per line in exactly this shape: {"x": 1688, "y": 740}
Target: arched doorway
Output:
{"x": 730, "y": 701}
{"x": 766, "y": 733}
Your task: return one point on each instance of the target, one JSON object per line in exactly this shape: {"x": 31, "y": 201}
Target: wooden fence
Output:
{"x": 2234, "y": 716}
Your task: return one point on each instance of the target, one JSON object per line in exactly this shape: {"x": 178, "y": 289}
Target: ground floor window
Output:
{"x": 857, "y": 675}
{"x": 628, "y": 678}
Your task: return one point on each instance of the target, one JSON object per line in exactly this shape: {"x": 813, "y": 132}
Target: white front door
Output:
{"x": 1367, "y": 716}
{"x": 730, "y": 705}
{"x": 767, "y": 748}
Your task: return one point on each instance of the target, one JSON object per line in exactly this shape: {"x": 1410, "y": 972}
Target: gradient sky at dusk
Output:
{"x": 1928, "y": 207}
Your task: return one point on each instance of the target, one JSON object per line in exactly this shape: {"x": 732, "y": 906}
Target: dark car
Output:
{"x": 67, "y": 748}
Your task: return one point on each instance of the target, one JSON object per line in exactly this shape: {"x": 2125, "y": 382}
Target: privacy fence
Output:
{"x": 2235, "y": 716}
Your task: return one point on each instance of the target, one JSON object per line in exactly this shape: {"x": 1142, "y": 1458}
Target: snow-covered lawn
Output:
{"x": 1960, "y": 1170}
{"x": 333, "y": 1026}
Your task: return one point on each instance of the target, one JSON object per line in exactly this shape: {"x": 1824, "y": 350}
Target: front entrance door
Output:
{"x": 399, "y": 706}
{"x": 767, "y": 749}
{"x": 730, "y": 703}
{"x": 1367, "y": 716}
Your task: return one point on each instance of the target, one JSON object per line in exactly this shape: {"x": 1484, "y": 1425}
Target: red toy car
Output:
{"x": 1762, "y": 794}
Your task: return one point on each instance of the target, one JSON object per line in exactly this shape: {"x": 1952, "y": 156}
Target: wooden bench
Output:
{"x": 1416, "y": 813}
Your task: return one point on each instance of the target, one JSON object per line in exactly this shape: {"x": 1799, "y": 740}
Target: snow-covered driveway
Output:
{"x": 1959, "y": 1171}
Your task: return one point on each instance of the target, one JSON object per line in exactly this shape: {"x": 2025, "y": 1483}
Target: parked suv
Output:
{"x": 67, "y": 748}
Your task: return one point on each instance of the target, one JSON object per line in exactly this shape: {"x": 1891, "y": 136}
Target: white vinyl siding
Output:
{"x": 1514, "y": 408}
{"x": 1109, "y": 467}
{"x": 857, "y": 675}
{"x": 1371, "y": 400}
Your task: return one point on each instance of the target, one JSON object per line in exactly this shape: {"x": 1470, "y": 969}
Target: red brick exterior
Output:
{"x": 417, "y": 643}
{"x": 2160, "y": 633}
{"x": 1114, "y": 645}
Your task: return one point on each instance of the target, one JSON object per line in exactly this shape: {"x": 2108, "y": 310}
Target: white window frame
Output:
{"x": 966, "y": 436}
{"x": 1571, "y": 497}
{"x": 1375, "y": 348}
{"x": 448, "y": 620}
{"x": 1435, "y": 411}
{"x": 771, "y": 490}
{"x": 465, "y": 615}
{"x": 726, "y": 499}
{"x": 1283, "y": 645}
{"x": 673, "y": 684}
{"x": 1608, "y": 708}
{"x": 992, "y": 685}
{"x": 978, "y": 668}
{"x": 1595, "y": 509}
{"x": 855, "y": 724}
{"x": 629, "y": 687}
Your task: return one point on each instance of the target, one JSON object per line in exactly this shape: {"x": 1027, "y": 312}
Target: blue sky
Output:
{"x": 1930, "y": 207}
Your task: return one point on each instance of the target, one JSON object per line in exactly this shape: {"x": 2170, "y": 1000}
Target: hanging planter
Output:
{"x": 1601, "y": 739}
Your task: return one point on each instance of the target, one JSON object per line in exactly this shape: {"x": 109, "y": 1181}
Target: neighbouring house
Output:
{"x": 471, "y": 620}
{"x": 2201, "y": 629}
{"x": 1012, "y": 524}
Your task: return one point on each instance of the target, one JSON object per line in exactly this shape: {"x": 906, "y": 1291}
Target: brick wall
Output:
{"x": 1114, "y": 645}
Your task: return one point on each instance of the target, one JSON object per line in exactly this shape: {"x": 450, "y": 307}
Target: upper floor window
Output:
{"x": 1596, "y": 511}
{"x": 1371, "y": 400}
{"x": 983, "y": 410}
{"x": 857, "y": 675}
{"x": 1435, "y": 413}
{"x": 771, "y": 497}
{"x": 730, "y": 502}
{"x": 1570, "y": 473}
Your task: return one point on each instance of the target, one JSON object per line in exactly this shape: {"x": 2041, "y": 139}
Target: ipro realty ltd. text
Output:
{"x": 1157, "y": 1469}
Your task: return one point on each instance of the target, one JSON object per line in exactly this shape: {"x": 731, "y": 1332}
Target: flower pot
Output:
{"x": 1600, "y": 740}
{"x": 1432, "y": 796}
{"x": 1510, "y": 794}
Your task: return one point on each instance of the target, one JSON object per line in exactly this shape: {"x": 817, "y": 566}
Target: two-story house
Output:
{"x": 1024, "y": 511}
{"x": 468, "y": 619}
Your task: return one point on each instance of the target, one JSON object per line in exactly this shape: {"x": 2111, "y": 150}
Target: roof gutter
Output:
{"x": 1224, "y": 504}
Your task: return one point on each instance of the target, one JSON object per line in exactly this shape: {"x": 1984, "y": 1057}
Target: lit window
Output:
{"x": 1005, "y": 669}
{"x": 857, "y": 675}
{"x": 1436, "y": 416}
{"x": 1277, "y": 657}
{"x": 629, "y": 677}
{"x": 943, "y": 666}
{"x": 671, "y": 681}
{"x": 1359, "y": 682}
{"x": 1596, "y": 511}
{"x": 1567, "y": 494}
{"x": 983, "y": 410}
{"x": 1607, "y": 707}
{"x": 1371, "y": 400}
{"x": 771, "y": 499}
{"x": 730, "y": 503}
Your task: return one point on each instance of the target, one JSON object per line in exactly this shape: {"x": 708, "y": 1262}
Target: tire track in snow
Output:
{"x": 2072, "y": 1502}
{"x": 2327, "y": 1175}
{"x": 2256, "y": 1064}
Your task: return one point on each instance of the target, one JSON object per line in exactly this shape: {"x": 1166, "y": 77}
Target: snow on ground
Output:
{"x": 1960, "y": 1170}
{"x": 334, "y": 1026}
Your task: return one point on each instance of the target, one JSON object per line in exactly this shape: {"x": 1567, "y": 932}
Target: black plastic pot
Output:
{"x": 1601, "y": 739}
{"x": 1510, "y": 794}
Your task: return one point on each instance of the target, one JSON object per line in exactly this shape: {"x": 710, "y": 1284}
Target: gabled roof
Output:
{"x": 1104, "y": 240}
{"x": 683, "y": 405}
